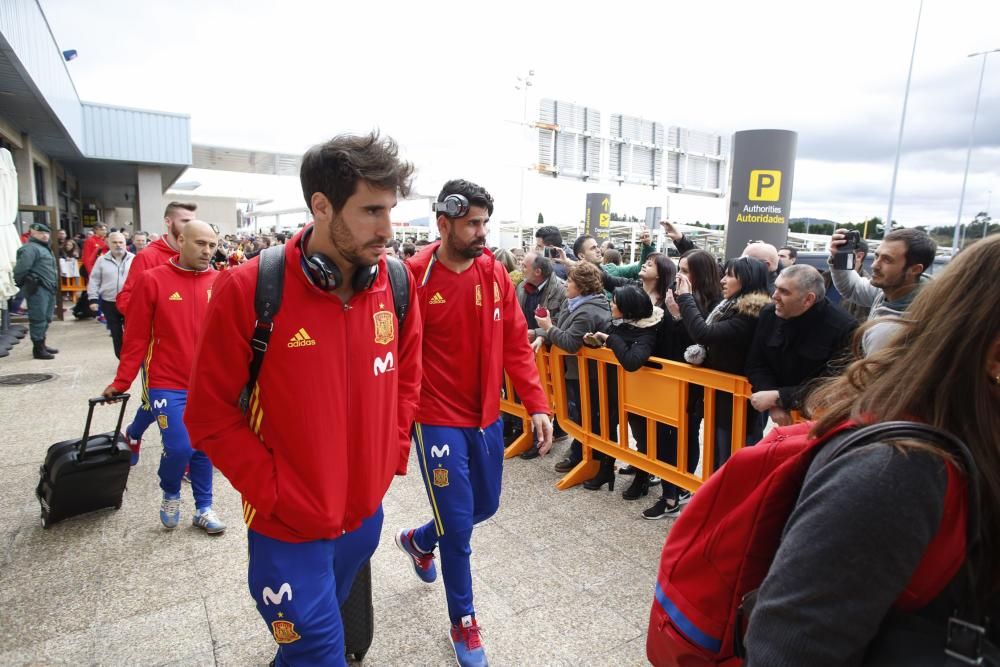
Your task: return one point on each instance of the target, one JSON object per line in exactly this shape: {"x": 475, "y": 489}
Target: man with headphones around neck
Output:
{"x": 474, "y": 331}
{"x": 327, "y": 424}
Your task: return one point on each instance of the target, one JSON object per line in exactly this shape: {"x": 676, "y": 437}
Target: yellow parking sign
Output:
{"x": 765, "y": 185}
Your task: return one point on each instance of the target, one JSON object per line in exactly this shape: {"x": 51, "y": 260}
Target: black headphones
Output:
{"x": 453, "y": 206}
{"x": 326, "y": 275}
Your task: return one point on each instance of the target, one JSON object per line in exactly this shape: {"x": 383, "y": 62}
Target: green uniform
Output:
{"x": 35, "y": 273}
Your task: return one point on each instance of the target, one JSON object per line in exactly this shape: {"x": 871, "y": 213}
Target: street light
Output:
{"x": 902, "y": 121}
{"x": 523, "y": 83}
{"x": 968, "y": 154}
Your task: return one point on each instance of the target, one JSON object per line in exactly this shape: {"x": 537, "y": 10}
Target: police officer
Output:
{"x": 35, "y": 274}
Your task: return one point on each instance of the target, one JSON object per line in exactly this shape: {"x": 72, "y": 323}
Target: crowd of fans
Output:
{"x": 759, "y": 315}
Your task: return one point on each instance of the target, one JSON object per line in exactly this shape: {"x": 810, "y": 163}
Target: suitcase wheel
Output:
{"x": 357, "y": 657}
{"x": 45, "y": 521}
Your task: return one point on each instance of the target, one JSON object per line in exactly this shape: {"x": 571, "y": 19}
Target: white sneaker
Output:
{"x": 209, "y": 521}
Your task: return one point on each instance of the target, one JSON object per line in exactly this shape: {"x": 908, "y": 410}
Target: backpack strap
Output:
{"x": 897, "y": 430}
{"x": 399, "y": 282}
{"x": 267, "y": 301}
{"x": 966, "y": 626}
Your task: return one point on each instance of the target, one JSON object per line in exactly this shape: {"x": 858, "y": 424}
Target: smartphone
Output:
{"x": 541, "y": 311}
{"x": 550, "y": 252}
{"x": 844, "y": 259}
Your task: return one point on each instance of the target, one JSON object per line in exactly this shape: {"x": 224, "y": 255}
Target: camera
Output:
{"x": 844, "y": 259}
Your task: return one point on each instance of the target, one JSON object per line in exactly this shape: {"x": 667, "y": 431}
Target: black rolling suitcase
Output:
{"x": 85, "y": 474}
{"x": 358, "y": 616}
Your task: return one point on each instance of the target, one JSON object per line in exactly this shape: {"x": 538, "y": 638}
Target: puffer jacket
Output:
{"x": 727, "y": 339}
{"x": 633, "y": 341}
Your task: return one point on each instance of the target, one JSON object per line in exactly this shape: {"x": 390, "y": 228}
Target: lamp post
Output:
{"x": 902, "y": 121}
{"x": 523, "y": 83}
{"x": 972, "y": 135}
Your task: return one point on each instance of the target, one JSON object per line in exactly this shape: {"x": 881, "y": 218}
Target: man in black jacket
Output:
{"x": 800, "y": 337}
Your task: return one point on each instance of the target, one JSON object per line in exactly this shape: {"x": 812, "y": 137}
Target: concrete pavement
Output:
{"x": 561, "y": 578}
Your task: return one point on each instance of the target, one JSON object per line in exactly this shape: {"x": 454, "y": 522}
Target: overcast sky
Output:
{"x": 439, "y": 77}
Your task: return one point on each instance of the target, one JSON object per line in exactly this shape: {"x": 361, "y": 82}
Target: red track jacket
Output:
{"x": 503, "y": 346}
{"x": 155, "y": 254}
{"x": 330, "y": 417}
{"x": 163, "y": 326}
{"x": 93, "y": 248}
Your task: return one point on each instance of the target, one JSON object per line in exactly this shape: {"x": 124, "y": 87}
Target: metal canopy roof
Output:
{"x": 24, "y": 107}
{"x": 245, "y": 161}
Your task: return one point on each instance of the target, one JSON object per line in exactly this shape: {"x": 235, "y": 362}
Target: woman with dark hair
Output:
{"x": 884, "y": 505}
{"x": 657, "y": 277}
{"x": 702, "y": 272}
{"x": 586, "y": 310}
{"x": 631, "y": 335}
{"x": 723, "y": 338}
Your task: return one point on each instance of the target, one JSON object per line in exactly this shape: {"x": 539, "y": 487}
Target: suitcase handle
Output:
{"x": 100, "y": 400}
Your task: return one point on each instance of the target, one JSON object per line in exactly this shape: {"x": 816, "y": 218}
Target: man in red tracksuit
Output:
{"x": 328, "y": 420}
{"x": 474, "y": 330}
{"x": 157, "y": 253}
{"x": 94, "y": 247}
{"x": 164, "y": 323}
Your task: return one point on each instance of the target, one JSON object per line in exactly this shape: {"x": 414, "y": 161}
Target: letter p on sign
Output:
{"x": 765, "y": 185}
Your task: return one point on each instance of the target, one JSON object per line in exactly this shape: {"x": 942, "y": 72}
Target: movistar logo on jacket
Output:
{"x": 301, "y": 339}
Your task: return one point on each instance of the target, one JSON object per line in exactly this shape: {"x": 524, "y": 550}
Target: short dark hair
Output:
{"x": 666, "y": 272}
{"x": 409, "y": 250}
{"x": 335, "y": 167}
{"x": 612, "y": 256}
{"x": 476, "y": 194}
{"x": 578, "y": 243}
{"x": 174, "y": 205}
{"x": 751, "y": 272}
{"x": 632, "y": 302}
{"x": 792, "y": 252}
{"x": 920, "y": 248}
{"x": 550, "y": 235}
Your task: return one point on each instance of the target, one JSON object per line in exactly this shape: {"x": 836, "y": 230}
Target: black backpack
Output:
{"x": 267, "y": 302}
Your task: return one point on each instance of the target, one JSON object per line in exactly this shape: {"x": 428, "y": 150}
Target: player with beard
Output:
{"x": 157, "y": 253}
{"x": 327, "y": 424}
{"x": 474, "y": 331}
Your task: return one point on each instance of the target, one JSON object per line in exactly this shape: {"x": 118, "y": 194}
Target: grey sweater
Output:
{"x": 860, "y": 527}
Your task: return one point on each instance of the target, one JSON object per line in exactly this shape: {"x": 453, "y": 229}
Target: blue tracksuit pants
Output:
{"x": 300, "y": 586}
{"x": 168, "y": 411}
{"x": 144, "y": 415}
{"x": 462, "y": 470}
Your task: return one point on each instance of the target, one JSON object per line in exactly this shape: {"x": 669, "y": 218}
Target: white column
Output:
{"x": 150, "y": 195}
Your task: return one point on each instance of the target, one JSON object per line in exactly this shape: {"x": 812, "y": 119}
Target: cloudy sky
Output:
{"x": 439, "y": 77}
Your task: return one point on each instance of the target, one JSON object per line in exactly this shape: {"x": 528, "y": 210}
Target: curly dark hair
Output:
{"x": 335, "y": 167}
